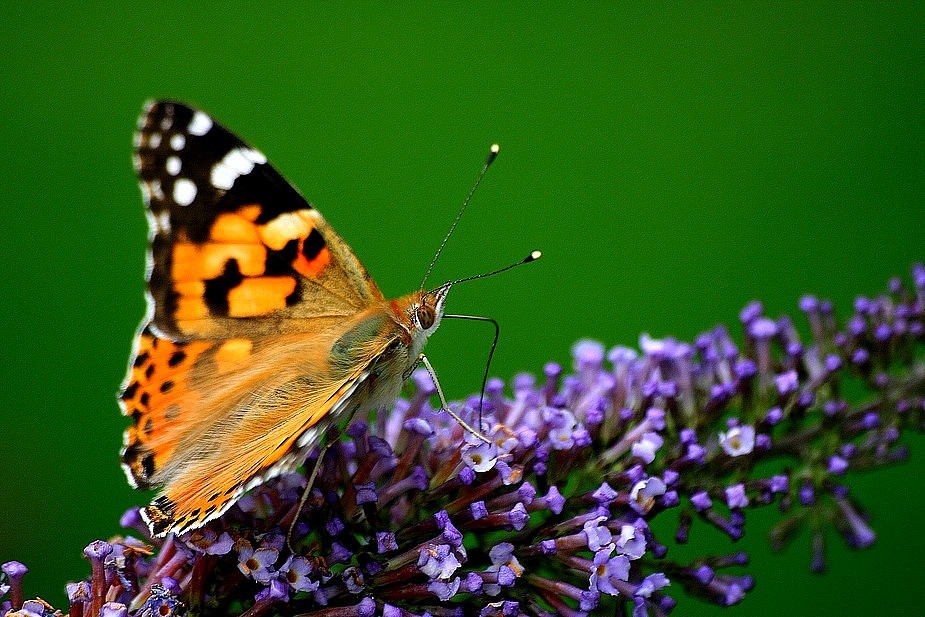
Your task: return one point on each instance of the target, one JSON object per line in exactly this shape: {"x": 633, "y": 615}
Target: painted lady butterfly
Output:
{"x": 263, "y": 327}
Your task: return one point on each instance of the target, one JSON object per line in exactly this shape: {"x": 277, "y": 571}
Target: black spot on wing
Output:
{"x": 216, "y": 292}
{"x": 280, "y": 262}
{"x": 296, "y": 296}
{"x": 147, "y": 465}
{"x": 313, "y": 245}
{"x": 130, "y": 391}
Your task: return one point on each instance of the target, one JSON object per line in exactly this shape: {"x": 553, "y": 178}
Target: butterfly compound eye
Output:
{"x": 426, "y": 316}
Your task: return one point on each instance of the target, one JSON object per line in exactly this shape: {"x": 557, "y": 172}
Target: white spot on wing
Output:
{"x": 145, "y": 193}
{"x": 156, "y": 191}
{"x": 184, "y": 191}
{"x": 178, "y": 141}
{"x": 154, "y": 140}
{"x": 256, "y": 156}
{"x": 166, "y": 122}
{"x": 145, "y": 109}
{"x": 163, "y": 222}
{"x": 236, "y": 163}
{"x": 307, "y": 438}
{"x": 200, "y": 124}
{"x": 173, "y": 165}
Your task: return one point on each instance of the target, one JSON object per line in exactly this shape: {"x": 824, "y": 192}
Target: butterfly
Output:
{"x": 263, "y": 328}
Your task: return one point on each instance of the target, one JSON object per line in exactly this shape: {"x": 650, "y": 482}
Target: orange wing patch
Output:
{"x": 233, "y": 355}
{"x": 311, "y": 267}
{"x": 241, "y": 268}
{"x": 260, "y": 295}
{"x": 156, "y": 393}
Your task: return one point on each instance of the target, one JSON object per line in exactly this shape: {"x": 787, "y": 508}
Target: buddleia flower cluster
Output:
{"x": 412, "y": 516}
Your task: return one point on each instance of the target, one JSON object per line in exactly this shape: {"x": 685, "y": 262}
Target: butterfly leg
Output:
{"x": 444, "y": 405}
{"x": 305, "y": 494}
{"x": 330, "y": 438}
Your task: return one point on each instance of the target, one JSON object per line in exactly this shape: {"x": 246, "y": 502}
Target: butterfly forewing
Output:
{"x": 235, "y": 249}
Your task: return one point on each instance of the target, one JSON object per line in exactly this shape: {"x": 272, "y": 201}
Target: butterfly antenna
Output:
{"x": 533, "y": 256}
{"x": 492, "y": 154}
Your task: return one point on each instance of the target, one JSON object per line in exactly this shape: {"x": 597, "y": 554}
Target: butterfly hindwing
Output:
{"x": 157, "y": 395}
{"x": 235, "y": 249}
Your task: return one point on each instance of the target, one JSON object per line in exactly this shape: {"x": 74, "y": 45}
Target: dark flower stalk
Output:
{"x": 410, "y": 516}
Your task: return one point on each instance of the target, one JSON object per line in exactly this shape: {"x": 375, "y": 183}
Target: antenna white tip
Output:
{"x": 492, "y": 153}
{"x": 533, "y": 256}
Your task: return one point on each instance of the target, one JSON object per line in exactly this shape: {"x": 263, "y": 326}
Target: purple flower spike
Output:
{"x": 366, "y": 607}
{"x": 607, "y": 573}
{"x": 76, "y": 592}
{"x": 701, "y": 500}
{"x": 780, "y": 484}
{"x": 774, "y": 415}
{"x": 856, "y": 530}
{"x": 391, "y": 611}
{"x": 651, "y": 584}
{"x": 411, "y": 515}
{"x": 161, "y": 603}
{"x": 751, "y": 312}
{"x": 597, "y": 535}
{"x": 366, "y": 493}
{"x": 97, "y": 550}
{"x": 385, "y": 542}
{"x": 762, "y": 328}
{"x": 807, "y": 495}
{"x": 631, "y": 542}
{"x": 704, "y": 574}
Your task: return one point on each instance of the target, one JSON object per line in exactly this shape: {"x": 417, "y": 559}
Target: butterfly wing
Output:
{"x": 252, "y": 428}
{"x": 245, "y": 282}
{"x": 235, "y": 249}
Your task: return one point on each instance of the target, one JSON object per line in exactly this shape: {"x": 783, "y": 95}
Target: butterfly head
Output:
{"x": 424, "y": 314}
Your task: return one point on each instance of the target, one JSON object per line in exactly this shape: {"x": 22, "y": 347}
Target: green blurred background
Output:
{"x": 672, "y": 162}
